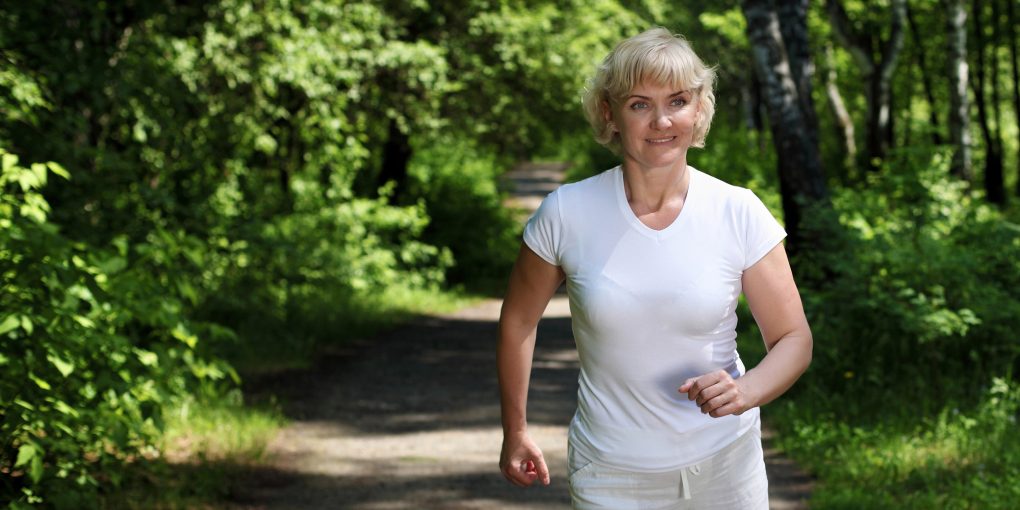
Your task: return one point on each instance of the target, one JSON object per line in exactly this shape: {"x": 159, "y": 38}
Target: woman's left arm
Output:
{"x": 775, "y": 303}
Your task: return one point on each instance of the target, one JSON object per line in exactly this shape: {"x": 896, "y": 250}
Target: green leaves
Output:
{"x": 30, "y": 455}
{"x": 89, "y": 344}
{"x": 927, "y": 275}
{"x": 64, "y": 367}
{"x": 9, "y": 323}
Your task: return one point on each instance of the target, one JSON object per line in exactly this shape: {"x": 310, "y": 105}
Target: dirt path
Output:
{"x": 410, "y": 419}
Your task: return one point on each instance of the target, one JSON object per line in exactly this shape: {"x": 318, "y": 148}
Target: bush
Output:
{"x": 954, "y": 459}
{"x": 93, "y": 344}
{"x": 924, "y": 294}
{"x": 458, "y": 184}
{"x": 297, "y": 281}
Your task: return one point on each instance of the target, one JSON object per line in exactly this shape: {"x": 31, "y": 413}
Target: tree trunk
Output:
{"x": 793, "y": 27}
{"x": 396, "y": 155}
{"x": 993, "y": 152}
{"x": 1011, "y": 37}
{"x": 846, "y": 123}
{"x": 877, "y": 72}
{"x": 959, "y": 102}
{"x": 753, "y": 110}
{"x": 922, "y": 64}
{"x": 747, "y": 100}
{"x": 802, "y": 182}
{"x": 995, "y": 185}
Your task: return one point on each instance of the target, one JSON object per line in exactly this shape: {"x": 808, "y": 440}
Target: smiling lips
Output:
{"x": 660, "y": 140}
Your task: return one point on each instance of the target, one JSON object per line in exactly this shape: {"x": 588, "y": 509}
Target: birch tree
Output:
{"x": 779, "y": 45}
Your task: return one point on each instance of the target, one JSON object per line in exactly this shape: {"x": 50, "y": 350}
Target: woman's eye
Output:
{"x": 679, "y": 102}
{"x": 639, "y": 106}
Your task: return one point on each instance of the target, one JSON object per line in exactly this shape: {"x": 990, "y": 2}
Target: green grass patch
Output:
{"x": 963, "y": 457}
{"x": 205, "y": 446}
{"x": 222, "y": 431}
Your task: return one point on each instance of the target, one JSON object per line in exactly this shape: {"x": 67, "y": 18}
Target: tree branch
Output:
{"x": 852, "y": 40}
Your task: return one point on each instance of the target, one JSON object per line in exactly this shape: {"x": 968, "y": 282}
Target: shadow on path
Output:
{"x": 411, "y": 420}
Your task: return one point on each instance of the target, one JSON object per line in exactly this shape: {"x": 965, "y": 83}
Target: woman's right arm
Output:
{"x": 533, "y": 282}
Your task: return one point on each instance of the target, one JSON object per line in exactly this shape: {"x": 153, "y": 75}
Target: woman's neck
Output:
{"x": 651, "y": 189}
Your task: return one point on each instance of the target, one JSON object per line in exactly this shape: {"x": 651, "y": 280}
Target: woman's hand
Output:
{"x": 521, "y": 461}
{"x": 718, "y": 394}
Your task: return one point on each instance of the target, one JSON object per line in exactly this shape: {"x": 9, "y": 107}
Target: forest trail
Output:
{"x": 410, "y": 419}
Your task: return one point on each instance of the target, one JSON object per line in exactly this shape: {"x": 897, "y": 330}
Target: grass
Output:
{"x": 205, "y": 445}
{"x": 897, "y": 454}
{"x": 957, "y": 459}
{"x": 220, "y": 431}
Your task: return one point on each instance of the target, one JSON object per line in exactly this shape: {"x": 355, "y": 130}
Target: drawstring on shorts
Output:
{"x": 685, "y": 485}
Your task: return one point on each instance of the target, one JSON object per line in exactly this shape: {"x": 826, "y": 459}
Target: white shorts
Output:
{"x": 733, "y": 478}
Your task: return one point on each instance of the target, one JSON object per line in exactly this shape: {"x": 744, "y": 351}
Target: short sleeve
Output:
{"x": 544, "y": 231}
{"x": 762, "y": 231}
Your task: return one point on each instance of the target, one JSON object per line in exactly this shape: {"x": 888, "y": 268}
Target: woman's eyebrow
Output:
{"x": 677, "y": 93}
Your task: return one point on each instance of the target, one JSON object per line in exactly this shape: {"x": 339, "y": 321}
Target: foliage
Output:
{"x": 457, "y": 184}
{"x": 956, "y": 458}
{"x": 94, "y": 344}
{"x": 285, "y": 291}
{"x": 913, "y": 314}
{"x": 230, "y": 199}
{"x": 926, "y": 276}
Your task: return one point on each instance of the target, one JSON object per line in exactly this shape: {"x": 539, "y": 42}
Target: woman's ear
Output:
{"x": 607, "y": 114}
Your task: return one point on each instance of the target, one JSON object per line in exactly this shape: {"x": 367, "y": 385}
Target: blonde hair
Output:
{"x": 656, "y": 56}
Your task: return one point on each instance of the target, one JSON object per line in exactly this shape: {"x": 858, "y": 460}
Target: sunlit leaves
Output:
{"x": 76, "y": 391}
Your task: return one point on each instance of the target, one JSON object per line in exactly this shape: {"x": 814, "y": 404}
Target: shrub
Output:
{"x": 93, "y": 344}
{"x": 458, "y": 184}
{"x": 924, "y": 294}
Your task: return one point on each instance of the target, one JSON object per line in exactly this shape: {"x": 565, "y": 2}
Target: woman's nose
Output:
{"x": 661, "y": 121}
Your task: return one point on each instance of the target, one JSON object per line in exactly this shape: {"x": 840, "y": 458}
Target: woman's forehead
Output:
{"x": 671, "y": 86}
{"x": 655, "y": 87}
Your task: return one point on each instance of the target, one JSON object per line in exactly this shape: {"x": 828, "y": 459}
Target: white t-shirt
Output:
{"x": 650, "y": 309}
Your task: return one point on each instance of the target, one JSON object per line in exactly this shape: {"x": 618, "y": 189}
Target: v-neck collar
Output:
{"x": 637, "y": 224}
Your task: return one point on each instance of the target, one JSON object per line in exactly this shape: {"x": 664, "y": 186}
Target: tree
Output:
{"x": 922, "y": 64}
{"x": 843, "y": 119}
{"x": 1015, "y": 73}
{"x": 877, "y": 61}
{"x": 959, "y": 110}
{"x": 778, "y": 40}
{"x": 991, "y": 131}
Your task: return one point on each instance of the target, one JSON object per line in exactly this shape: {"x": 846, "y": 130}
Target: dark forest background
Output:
{"x": 193, "y": 193}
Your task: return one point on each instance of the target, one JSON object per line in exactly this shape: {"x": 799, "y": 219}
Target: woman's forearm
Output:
{"x": 514, "y": 355}
{"x": 532, "y": 283}
{"x": 788, "y": 358}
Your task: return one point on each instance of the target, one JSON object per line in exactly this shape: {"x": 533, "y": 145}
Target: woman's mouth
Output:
{"x": 660, "y": 140}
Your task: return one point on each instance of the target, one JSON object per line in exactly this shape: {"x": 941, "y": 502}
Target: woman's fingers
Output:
{"x": 543, "y": 471}
{"x": 716, "y": 393}
{"x": 517, "y": 473}
{"x": 524, "y": 464}
{"x": 695, "y": 385}
{"x": 725, "y": 410}
{"x": 526, "y": 472}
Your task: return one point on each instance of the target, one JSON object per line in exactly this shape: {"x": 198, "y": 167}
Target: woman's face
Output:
{"x": 656, "y": 125}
